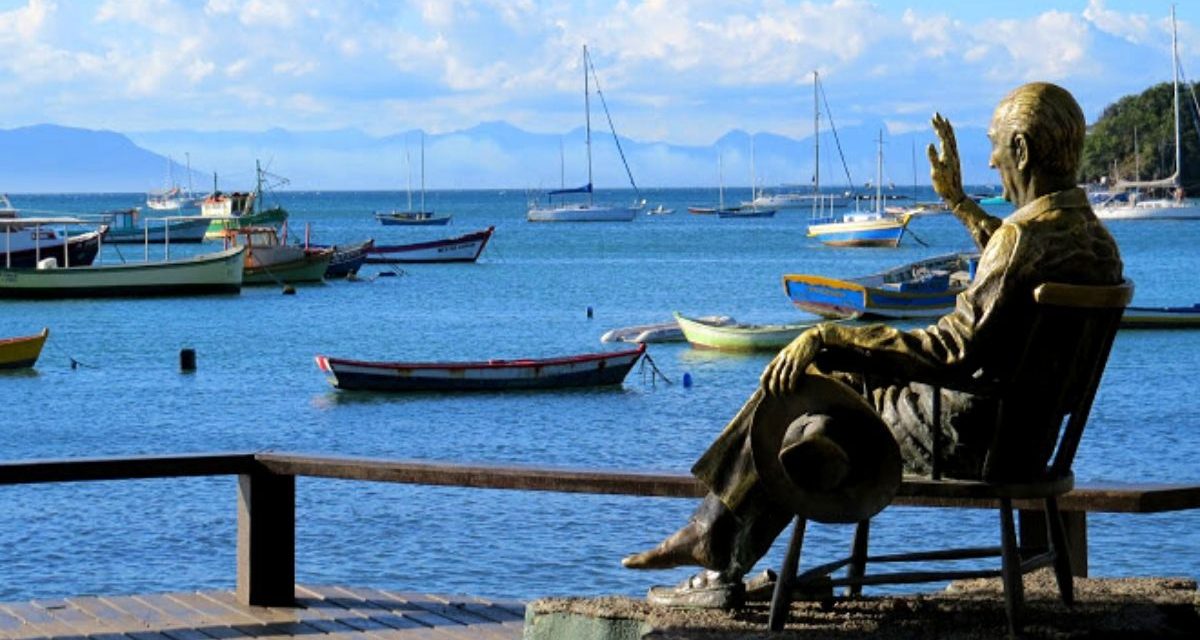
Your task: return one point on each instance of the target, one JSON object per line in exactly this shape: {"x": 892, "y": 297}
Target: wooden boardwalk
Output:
{"x": 342, "y": 613}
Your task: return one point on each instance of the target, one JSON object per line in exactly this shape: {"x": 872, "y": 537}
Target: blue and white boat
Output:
{"x": 877, "y": 228}
{"x": 923, "y": 289}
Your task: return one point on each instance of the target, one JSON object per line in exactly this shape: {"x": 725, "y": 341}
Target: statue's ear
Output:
{"x": 1020, "y": 148}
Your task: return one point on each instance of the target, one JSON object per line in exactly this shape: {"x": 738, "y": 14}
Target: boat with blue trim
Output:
{"x": 923, "y": 289}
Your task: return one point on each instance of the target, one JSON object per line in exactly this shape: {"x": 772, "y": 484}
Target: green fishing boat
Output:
{"x": 739, "y": 337}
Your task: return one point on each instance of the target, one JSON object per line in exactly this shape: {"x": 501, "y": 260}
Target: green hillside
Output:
{"x": 1109, "y": 148}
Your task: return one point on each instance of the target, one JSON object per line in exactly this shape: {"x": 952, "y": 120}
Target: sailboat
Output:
{"x": 586, "y": 211}
{"x": 1174, "y": 207}
{"x": 875, "y": 228}
{"x": 172, "y": 197}
{"x": 747, "y": 209}
{"x": 410, "y": 216}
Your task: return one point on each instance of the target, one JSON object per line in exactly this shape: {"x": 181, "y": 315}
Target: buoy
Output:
{"x": 687, "y": 381}
{"x": 589, "y": 312}
{"x": 289, "y": 290}
{"x": 187, "y": 359}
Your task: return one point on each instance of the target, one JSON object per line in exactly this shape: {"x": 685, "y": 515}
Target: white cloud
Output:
{"x": 1052, "y": 46}
{"x": 1134, "y": 27}
{"x": 23, "y": 25}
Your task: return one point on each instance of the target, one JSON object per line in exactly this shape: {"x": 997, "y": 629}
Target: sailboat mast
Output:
{"x": 422, "y": 171}
{"x": 720, "y": 183}
{"x": 879, "y": 177}
{"x": 1175, "y": 86}
{"x": 753, "y": 179}
{"x": 587, "y": 118}
{"x": 816, "y": 139}
{"x": 408, "y": 170}
{"x": 188, "y": 157}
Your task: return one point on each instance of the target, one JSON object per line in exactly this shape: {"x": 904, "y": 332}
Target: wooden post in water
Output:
{"x": 266, "y": 540}
{"x": 187, "y": 360}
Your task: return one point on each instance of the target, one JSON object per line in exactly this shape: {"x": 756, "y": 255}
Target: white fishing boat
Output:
{"x": 6, "y": 208}
{"x": 586, "y": 211}
{"x": 172, "y": 197}
{"x": 240, "y": 209}
{"x": 1172, "y": 207}
{"x": 219, "y": 272}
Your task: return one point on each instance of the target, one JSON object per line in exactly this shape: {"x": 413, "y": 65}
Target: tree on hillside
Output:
{"x": 1108, "y": 150}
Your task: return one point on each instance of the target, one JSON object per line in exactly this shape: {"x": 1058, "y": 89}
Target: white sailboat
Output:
{"x": 585, "y": 211}
{"x": 1172, "y": 207}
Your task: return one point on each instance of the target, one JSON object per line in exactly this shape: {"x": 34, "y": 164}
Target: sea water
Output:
{"x": 108, "y": 384}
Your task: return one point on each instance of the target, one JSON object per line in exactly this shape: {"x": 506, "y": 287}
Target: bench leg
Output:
{"x": 1032, "y": 529}
{"x": 1062, "y": 554}
{"x": 781, "y": 599}
{"x": 858, "y": 557}
{"x": 1014, "y": 586}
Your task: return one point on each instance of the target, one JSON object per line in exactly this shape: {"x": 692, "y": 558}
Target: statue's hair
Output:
{"x": 1052, "y": 123}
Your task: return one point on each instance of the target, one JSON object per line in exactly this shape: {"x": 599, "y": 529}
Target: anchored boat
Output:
{"x": 585, "y": 370}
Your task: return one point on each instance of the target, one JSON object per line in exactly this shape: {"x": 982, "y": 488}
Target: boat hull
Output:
{"x": 1161, "y": 317}
{"x": 1149, "y": 210}
{"x": 81, "y": 251}
{"x": 347, "y": 259}
{"x": 877, "y": 233}
{"x": 582, "y": 213}
{"x": 268, "y": 217}
{"x": 465, "y": 248}
{"x": 407, "y": 218}
{"x": 739, "y": 337}
{"x": 746, "y": 213}
{"x": 183, "y": 231}
{"x": 588, "y": 370}
{"x": 924, "y": 289}
{"x": 219, "y": 272}
{"x": 22, "y": 352}
{"x": 309, "y": 268}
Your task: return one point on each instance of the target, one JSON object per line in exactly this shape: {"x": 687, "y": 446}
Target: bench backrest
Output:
{"x": 1045, "y": 402}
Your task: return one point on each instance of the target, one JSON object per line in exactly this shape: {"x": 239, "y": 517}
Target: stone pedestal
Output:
{"x": 1126, "y": 607}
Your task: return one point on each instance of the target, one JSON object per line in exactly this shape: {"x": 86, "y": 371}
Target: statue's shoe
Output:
{"x": 702, "y": 591}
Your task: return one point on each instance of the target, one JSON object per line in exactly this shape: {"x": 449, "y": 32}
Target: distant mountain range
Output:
{"x": 51, "y": 158}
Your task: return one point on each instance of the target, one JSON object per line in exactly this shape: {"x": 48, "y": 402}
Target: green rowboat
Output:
{"x": 739, "y": 337}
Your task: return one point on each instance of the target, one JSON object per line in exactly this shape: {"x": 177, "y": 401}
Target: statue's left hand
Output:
{"x": 785, "y": 370}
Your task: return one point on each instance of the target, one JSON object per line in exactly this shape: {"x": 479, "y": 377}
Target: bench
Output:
{"x": 267, "y": 497}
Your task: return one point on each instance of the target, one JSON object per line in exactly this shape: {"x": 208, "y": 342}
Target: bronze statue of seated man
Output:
{"x": 841, "y": 446}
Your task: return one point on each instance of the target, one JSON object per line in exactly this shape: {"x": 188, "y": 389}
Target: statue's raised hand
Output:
{"x": 944, "y": 169}
{"x": 784, "y": 372}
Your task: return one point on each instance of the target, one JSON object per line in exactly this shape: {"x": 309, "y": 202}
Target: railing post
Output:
{"x": 266, "y": 542}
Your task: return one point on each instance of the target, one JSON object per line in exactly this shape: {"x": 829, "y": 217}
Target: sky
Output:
{"x": 676, "y": 71}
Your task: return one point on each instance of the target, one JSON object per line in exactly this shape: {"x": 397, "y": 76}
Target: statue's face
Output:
{"x": 1004, "y": 158}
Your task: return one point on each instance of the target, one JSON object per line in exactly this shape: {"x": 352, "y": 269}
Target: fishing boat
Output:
{"x": 238, "y": 209}
{"x": 660, "y": 210}
{"x": 347, "y": 258}
{"x": 21, "y": 352}
{"x": 923, "y": 289}
{"x": 701, "y": 210}
{"x": 464, "y": 248}
{"x": 270, "y": 261}
{"x": 172, "y": 197}
{"x": 219, "y": 272}
{"x": 124, "y": 228}
{"x": 1131, "y": 206}
{"x": 28, "y": 241}
{"x": 1161, "y": 317}
{"x": 737, "y": 336}
{"x": 585, "y": 370}
{"x": 412, "y": 216}
{"x": 586, "y": 211}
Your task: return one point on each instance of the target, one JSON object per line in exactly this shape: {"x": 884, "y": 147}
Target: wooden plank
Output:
{"x": 107, "y": 618}
{"x": 38, "y": 620}
{"x": 483, "y": 622}
{"x": 406, "y": 624}
{"x": 475, "y": 626}
{"x": 333, "y": 613}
